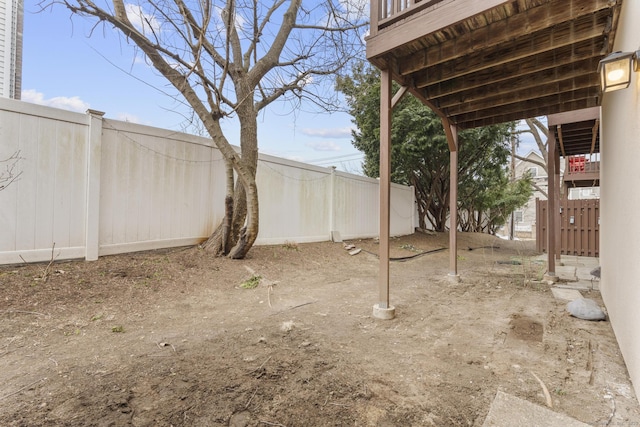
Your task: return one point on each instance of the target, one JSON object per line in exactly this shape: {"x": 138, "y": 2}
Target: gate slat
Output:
{"x": 581, "y": 238}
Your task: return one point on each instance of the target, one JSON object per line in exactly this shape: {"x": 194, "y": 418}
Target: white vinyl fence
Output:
{"x": 92, "y": 186}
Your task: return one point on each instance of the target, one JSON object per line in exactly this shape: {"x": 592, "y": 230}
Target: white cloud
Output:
{"x": 328, "y": 132}
{"x": 323, "y": 146}
{"x": 73, "y": 103}
{"x": 145, "y": 23}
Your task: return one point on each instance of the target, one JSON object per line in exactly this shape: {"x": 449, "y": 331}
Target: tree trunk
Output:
{"x": 220, "y": 242}
{"x": 239, "y": 228}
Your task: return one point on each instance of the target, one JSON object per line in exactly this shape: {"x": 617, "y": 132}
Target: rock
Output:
{"x": 587, "y": 309}
{"x": 355, "y": 251}
{"x": 240, "y": 419}
{"x": 287, "y": 326}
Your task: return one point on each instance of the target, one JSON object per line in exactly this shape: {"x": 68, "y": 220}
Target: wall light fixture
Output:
{"x": 615, "y": 70}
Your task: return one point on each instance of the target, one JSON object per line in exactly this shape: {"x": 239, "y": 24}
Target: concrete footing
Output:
{"x": 387, "y": 313}
{"x": 455, "y": 278}
{"x": 550, "y": 277}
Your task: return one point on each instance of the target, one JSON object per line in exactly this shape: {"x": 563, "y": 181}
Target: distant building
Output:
{"x": 11, "y": 23}
{"x": 525, "y": 217}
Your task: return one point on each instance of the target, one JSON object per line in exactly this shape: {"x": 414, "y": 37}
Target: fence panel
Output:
{"x": 356, "y": 206}
{"x": 579, "y": 227}
{"x": 157, "y": 188}
{"x": 46, "y": 206}
{"x": 295, "y": 201}
{"x": 93, "y": 186}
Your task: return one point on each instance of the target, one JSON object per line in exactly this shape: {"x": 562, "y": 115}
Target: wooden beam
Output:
{"x": 398, "y": 96}
{"x": 514, "y": 52}
{"x": 545, "y": 83}
{"x": 452, "y": 137}
{"x": 509, "y": 116}
{"x": 425, "y": 22}
{"x": 594, "y": 136}
{"x": 574, "y": 116}
{"x": 528, "y": 108}
{"x": 572, "y": 89}
{"x": 560, "y": 140}
{"x": 521, "y": 56}
{"x": 556, "y": 196}
{"x": 374, "y": 16}
{"x": 551, "y": 209}
{"x": 385, "y": 186}
{"x": 505, "y": 78}
{"x": 518, "y": 25}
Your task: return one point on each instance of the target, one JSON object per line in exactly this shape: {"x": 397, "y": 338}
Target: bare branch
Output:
{"x": 535, "y": 128}
{"x": 8, "y": 170}
{"x": 540, "y": 189}
{"x": 532, "y": 161}
{"x": 235, "y": 57}
{"x": 259, "y": 29}
{"x": 270, "y": 59}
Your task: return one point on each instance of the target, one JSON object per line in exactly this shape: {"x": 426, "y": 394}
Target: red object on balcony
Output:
{"x": 576, "y": 164}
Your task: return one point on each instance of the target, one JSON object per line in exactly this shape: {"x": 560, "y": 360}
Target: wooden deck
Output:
{"x": 481, "y": 62}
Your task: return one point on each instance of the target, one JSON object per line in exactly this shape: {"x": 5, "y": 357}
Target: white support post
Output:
{"x": 92, "y": 219}
{"x": 334, "y": 234}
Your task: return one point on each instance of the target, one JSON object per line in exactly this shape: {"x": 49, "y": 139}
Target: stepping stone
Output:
{"x": 566, "y": 294}
{"x": 509, "y": 410}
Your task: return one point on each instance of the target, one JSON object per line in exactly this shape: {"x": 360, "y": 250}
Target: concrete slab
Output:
{"x": 584, "y": 273}
{"x": 508, "y": 410}
{"x": 567, "y": 272}
{"x": 580, "y": 285}
{"x": 575, "y": 269}
{"x": 580, "y": 261}
{"x": 566, "y": 294}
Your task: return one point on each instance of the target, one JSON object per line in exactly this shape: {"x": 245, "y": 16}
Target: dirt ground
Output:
{"x": 171, "y": 338}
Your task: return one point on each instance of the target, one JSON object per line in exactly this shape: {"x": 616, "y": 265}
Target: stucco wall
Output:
{"x": 620, "y": 201}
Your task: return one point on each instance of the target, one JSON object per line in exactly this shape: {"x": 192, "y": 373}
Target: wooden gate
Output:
{"x": 579, "y": 227}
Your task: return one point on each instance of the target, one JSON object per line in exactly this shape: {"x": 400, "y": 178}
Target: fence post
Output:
{"x": 92, "y": 219}
{"x": 334, "y": 235}
{"x": 414, "y": 208}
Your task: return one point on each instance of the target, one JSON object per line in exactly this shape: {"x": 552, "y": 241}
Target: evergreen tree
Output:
{"x": 420, "y": 157}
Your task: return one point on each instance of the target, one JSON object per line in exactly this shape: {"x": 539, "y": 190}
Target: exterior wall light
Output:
{"x": 615, "y": 70}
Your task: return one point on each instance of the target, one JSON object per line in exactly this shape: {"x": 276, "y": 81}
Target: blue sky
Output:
{"x": 64, "y": 66}
{"x": 67, "y": 66}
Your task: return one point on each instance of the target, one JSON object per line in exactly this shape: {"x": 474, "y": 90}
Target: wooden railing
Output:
{"x": 386, "y": 12}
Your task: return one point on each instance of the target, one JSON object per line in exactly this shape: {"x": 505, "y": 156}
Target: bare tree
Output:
{"x": 540, "y": 134}
{"x": 9, "y": 172}
{"x": 232, "y": 58}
